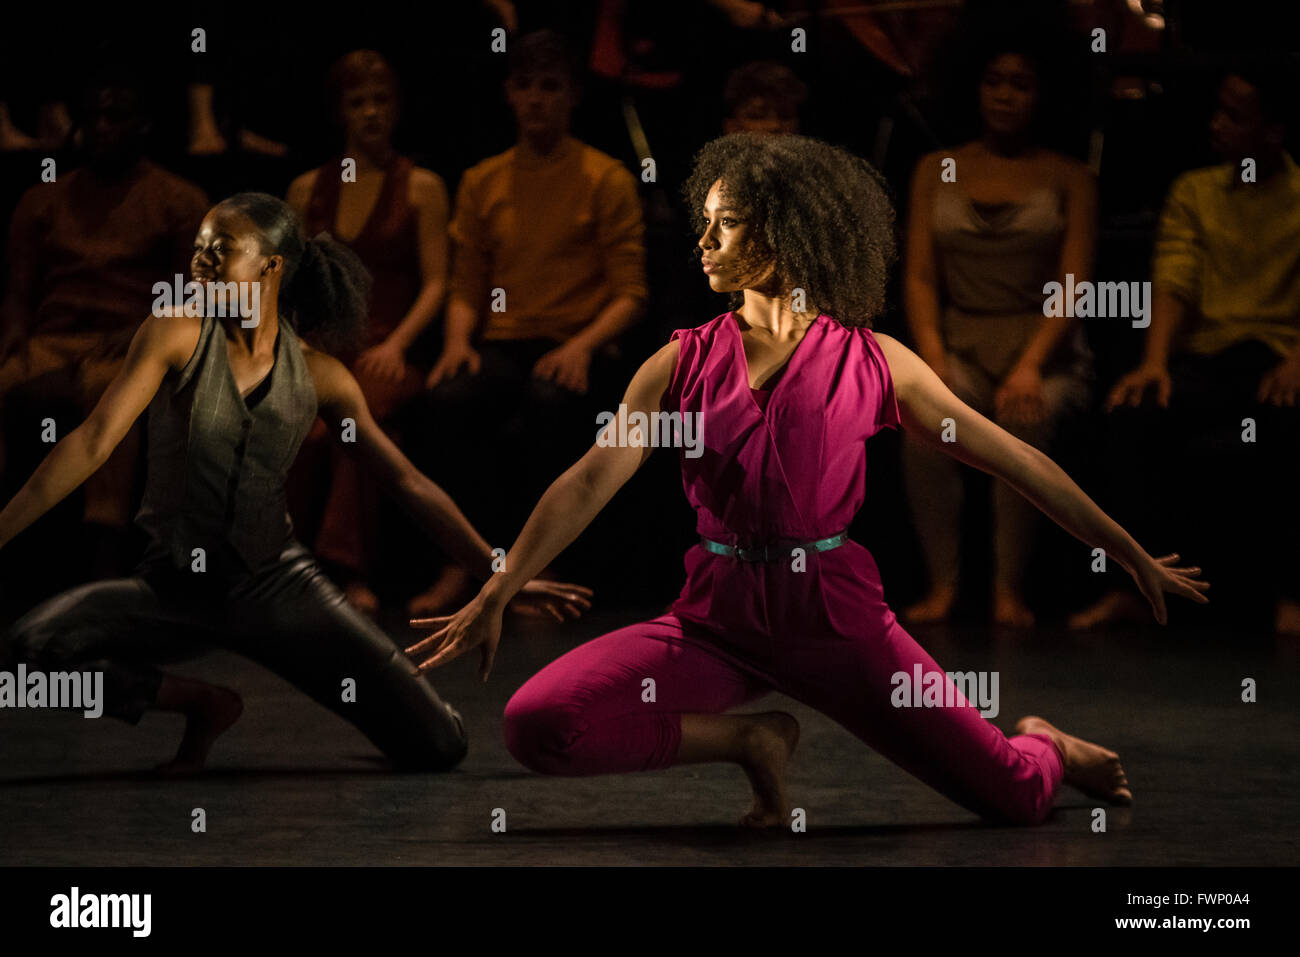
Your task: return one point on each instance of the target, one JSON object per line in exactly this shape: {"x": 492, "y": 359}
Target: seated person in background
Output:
{"x": 84, "y": 254}
{"x": 394, "y": 217}
{"x": 1223, "y": 346}
{"x": 763, "y": 97}
{"x": 979, "y": 252}
{"x": 548, "y": 270}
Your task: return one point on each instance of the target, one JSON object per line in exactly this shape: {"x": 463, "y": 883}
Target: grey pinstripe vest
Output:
{"x": 217, "y": 469}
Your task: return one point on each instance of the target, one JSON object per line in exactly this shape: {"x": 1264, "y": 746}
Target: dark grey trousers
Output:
{"x": 287, "y": 616}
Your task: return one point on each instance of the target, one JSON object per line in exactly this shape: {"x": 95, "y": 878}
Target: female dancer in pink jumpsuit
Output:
{"x": 775, "y": 597}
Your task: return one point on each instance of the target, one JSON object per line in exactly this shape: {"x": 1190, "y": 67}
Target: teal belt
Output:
{"x": 771, "y": 553}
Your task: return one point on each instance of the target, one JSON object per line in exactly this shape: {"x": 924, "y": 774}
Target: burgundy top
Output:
{"x": 388, "y": 244}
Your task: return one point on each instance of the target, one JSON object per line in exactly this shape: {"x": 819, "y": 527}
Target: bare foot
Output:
{"x": 252, "y": 142}
{"x": 208, "y": 714}
{"x": 207, "y": 141}
{"x": 1287, "y": 619}
{"x": 1112, "y": 607}
{"x": 768, "y": 744}
{"x": 1010, "y": 610}
{"x": 361, "y": 598}
{"x": 933, "y": 608}
{"x": 446, "y": 594}
{"x": 1092, "y": 769}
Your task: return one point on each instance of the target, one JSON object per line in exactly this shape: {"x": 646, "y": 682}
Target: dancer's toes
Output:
{"x": 1094, "y": 770}
{"x": 1116, "y": 606}
{"x": 768, "y": 743}
{"x": 206, "y": 719}
{"x": 933, "y": 608}
{"x": 1010, "y": 610}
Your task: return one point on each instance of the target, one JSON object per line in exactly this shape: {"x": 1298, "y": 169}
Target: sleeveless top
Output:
{"x": 388, "y": 243}
{"x": 217, "y": 466}
{"x": 790, "y": 469}
{"x": 992, "y": 260}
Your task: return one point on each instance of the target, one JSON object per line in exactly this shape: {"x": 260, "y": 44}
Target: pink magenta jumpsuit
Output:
{"x": 788, "y": 466}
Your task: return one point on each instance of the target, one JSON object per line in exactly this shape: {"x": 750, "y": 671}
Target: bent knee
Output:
{"x": 439, "y": 747}
{"x": 540, "y": 734}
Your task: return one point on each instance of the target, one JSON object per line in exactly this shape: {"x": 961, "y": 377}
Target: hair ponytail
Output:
{"x": 325, "y": 291}
{"x": 329, "y": 293}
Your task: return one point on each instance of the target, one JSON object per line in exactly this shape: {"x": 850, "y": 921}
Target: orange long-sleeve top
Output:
{"x": 560, "y": 237}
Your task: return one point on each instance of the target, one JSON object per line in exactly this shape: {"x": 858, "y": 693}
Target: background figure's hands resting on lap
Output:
{"x": 1131, "y": 387}
{"x": 384, "y": 361}
{"x": 1281, "y": 385}
{"x": 567, "y": 365}
{"x": 1020, "y": 397}
{"x": 453, "y": 358}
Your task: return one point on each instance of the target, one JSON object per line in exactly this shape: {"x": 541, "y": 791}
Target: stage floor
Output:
{"x": 1214, "y": 779}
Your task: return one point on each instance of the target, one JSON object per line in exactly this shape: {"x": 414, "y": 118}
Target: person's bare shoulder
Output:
{"x": 171, "y": 334}
{"x": 329, "y": 376}
{"x": 1066, "y": 171}
{"x": 300, "y": 189}
{"x": 900, "y": 360}
{"x": 426, "y": 187}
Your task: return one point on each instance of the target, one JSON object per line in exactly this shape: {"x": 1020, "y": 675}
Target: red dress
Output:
{"x": 389, "y": 247}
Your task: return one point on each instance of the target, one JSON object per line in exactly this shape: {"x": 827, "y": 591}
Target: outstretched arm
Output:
{"x": 577, "y": 497}
{"x": 564, "y": 510}
{"x": 339, "y": 397}
{"x": 924, "y": 403}
{"x": 159, "y": 344}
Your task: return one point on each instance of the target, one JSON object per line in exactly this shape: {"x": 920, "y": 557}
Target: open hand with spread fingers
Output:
{"x": 1155, "y": 576}
{"x": 478, "y": 624}
{"x": 561, "y": 600}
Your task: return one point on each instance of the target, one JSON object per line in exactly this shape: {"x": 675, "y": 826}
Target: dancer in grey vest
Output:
{"x": 229, "y": 407}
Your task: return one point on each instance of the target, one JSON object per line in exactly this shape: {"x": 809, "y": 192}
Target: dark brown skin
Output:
{"x": 762, "y": 744}
{"x": 227, "y": 249}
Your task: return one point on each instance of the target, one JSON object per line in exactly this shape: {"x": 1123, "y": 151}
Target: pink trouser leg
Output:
{"x": 586, "y": 713}
{"x": 953, "y": 749}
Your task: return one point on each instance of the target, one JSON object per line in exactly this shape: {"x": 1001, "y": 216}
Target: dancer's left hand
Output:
{"x": 1155, "y": 576}
{"x": 540, "y": 597}
{"x": 1020, "y": 397}
{"x": 477, "y": 625}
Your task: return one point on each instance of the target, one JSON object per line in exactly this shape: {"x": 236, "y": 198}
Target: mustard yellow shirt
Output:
{"x": 1231, "y": 251}
{"x": 562, "y": 237}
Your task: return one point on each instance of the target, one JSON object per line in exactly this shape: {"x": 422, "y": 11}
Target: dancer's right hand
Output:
{"x": 478, "y": 624}
{"x": 1155, "y": 576}
{"x": 454, "y": 356}
{"x": 1130, "y": 388}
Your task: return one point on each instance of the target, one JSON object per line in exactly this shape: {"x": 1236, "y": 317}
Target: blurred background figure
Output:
{"x": 84, "y": 253}
{"x": 763, "y": 97}
{"x": 548, "y": 272}
{"x": 393, "y": 215}
{"x": 1223, "y": 347}
{"x": 990, "y": 222}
